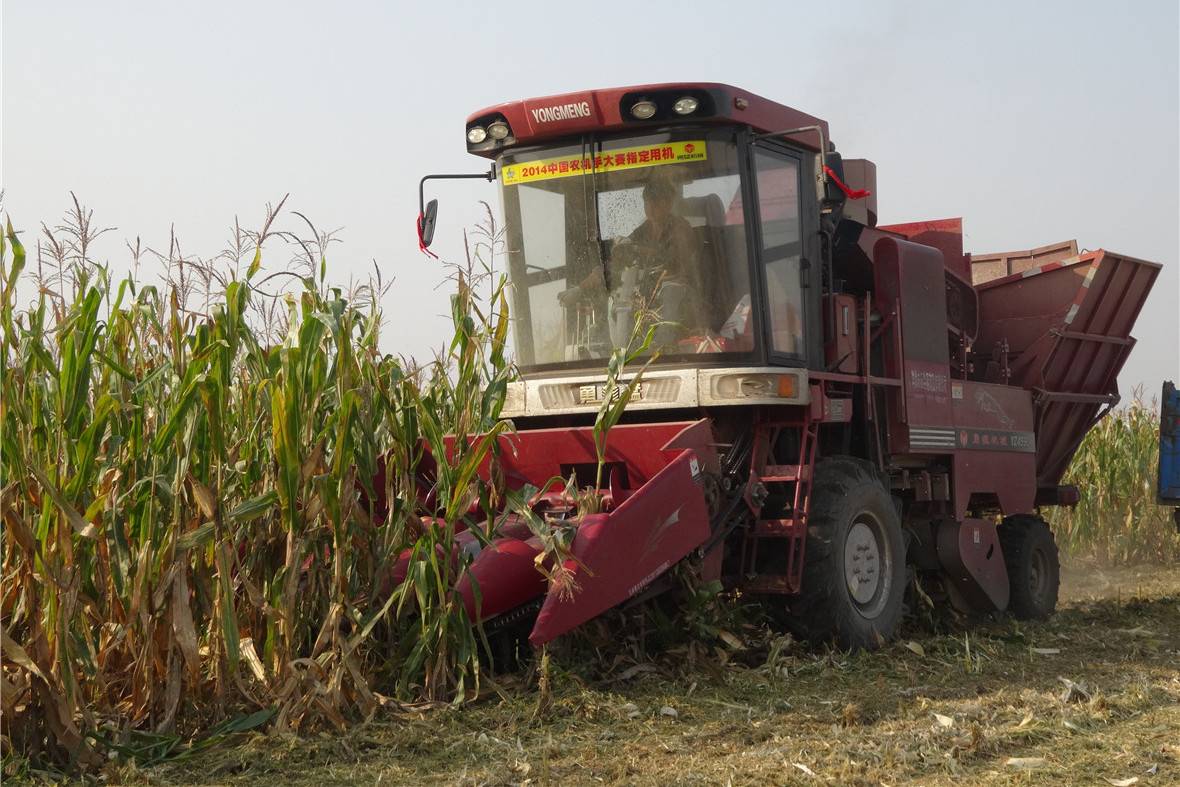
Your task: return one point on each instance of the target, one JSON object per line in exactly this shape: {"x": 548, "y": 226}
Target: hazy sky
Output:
{"x": 1035, "y": 121}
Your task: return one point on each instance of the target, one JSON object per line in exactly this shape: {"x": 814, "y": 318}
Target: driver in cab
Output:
{"x": 665, "y": 237}
{"x": 663, "y": 255}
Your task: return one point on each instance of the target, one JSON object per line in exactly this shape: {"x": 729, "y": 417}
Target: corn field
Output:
{"x": 193, "y": 544}
{"x": 1117, "y": 519}
{"x": 205, "y": 484}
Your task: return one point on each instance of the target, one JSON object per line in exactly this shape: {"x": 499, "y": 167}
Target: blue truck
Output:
{"x": 1168, "y": 488}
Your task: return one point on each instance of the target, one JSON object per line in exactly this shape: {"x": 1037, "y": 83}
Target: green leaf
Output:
{"x": 254, "y": 507}
{"x": 197, "y": 537}
{"x": 255, "y": 264}
{"x": 81, "y": 526}
{"x": 18, "y": 261}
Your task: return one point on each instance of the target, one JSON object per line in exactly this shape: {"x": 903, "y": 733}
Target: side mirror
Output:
{"x": 428, "y": 211}
{"x": 428, "y": 217}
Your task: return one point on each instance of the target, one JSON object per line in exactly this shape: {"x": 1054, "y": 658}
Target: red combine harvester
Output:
{"x": 834, "y": 403}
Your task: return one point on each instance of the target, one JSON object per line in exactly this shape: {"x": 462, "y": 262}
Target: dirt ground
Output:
{"x": 1090, "y": 697}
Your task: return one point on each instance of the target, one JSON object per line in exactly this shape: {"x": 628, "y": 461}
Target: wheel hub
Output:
{"x": 1038, "y": 573}
{"x": 863, "y": 567}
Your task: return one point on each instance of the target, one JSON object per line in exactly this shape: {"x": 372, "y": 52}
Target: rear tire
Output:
{"x": 854, "y": 564}
{"x": 1034, "y": 569}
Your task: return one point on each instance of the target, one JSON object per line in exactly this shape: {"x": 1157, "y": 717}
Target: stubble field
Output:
{"x": 1090, "y": 697}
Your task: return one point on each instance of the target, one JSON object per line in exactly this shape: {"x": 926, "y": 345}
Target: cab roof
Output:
{"x": 534, "y": 120}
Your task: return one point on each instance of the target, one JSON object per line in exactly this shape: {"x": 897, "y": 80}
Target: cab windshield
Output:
{"x": 611, "y": 238}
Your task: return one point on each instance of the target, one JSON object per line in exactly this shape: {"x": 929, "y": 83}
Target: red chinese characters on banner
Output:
{"x": 604, "y": 161}
{"x": 630, "y": 158}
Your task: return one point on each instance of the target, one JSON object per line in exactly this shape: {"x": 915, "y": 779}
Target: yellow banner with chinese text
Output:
{"x": 604, "y": 162}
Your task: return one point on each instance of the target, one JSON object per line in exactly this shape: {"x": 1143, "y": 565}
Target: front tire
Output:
{"x": 854, "y": 564}
{"x": 1034, "y": 568}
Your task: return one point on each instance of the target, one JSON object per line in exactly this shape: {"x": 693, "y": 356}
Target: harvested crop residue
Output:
{"x": 1093, "y": 696}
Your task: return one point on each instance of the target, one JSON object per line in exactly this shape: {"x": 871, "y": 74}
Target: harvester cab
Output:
{"x": 829, "y": 402}
{"x": 663, "y": 208}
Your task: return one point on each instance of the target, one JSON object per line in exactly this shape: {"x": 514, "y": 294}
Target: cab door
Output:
{"x": 782, "y": 259}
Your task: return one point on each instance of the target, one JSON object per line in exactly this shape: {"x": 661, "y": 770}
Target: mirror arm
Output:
{"x": 489, "y": 176}
{"x": 823, "y": 149}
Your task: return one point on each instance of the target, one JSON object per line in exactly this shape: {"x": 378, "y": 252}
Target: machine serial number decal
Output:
{"x": 607, "y": 161}
{"x": 995, "y": 440}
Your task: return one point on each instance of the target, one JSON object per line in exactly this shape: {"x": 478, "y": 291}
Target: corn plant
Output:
{"x": 1117, "y": 518}
{"x": 202, "y": 511}
{"x": 617, "y": 392}
{"x": 455, "y": 416}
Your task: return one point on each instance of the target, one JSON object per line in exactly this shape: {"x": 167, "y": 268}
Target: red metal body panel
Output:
{"x": 971, "y": 554}
{"x": 535, "y": 456}
{"x": 841, "y": 344}
{"x": 621, "y": 553}
{"x": 910, "y": 282}
{"x": 733, "y": 105}
{"x": 994, "y": 446}
{"x": 656, "y": 513}
{"x": 1067, "y": 326}
{"x": 507, "y": 576}
{"x": 946, "y": 235}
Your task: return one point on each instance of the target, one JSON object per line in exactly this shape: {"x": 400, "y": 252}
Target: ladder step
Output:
{"x": 779, "y": 528}
{"x": 770, "y": 583}
{"x": 783, "y": 473}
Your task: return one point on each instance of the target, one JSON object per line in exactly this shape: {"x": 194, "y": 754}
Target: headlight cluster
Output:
{"x": 496, "y": 130}
{"x": 644, "y": 109}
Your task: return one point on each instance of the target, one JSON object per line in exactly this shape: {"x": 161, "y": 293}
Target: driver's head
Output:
{"x": 659, "y": 196}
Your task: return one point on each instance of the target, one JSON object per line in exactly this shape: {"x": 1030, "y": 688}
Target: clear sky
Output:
{"x": 1035, "y": 121}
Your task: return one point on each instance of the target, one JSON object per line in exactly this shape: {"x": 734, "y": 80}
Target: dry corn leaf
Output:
{"x": 182, "y": 623}
{"x": 204, "y": 497}
{"x": 916, "y": 648}
{"x": 171, "y": 696}
{"x": 731, "y": 640}
{"x": 14, "y": 523}
{"x": 250, "y": 655}
{"x": 945, "y": 721}
{"x": 18, "y": 656}
{"x": 1074, "y": 691}
{"x": 1127, "y": 782}
{"x": 1027, "y": 763}
{"x": 1046, "y": 651}
{"x": 632, "y": 671}
{"x": 311, "y": 465}
{"x": 11, "y": 693}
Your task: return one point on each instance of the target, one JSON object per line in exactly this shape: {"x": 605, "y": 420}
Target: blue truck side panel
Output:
{"x": 1169, "y": 480}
